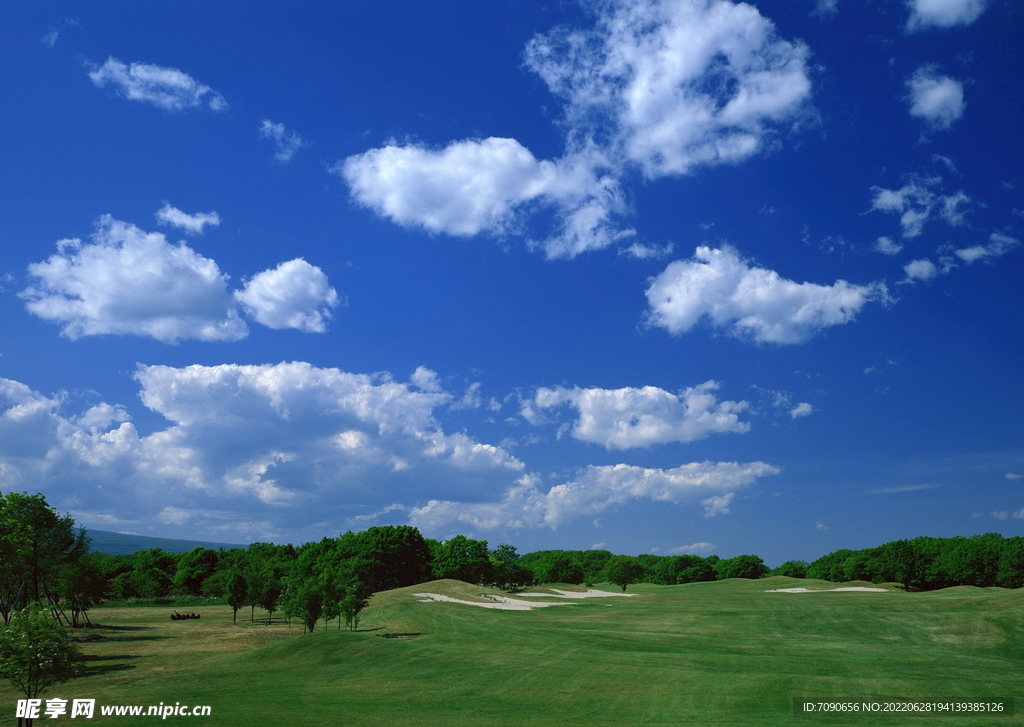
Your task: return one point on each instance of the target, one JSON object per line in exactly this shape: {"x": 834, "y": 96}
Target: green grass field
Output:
{"x": 723, "y": 653}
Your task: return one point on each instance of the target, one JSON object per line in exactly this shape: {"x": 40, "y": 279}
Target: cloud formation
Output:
{"x": 916, "y": 203}
{"x": 641, "y": 417}
{"x": 168, "y": 215}
{"x": 286, "y": 142}
{"x": 127, "y": 281}
{"x": 665, "y": 87}
{"x": 486, "y": 186}
{"x": 594, "y": 490}
{"x": 937, "y": 99}
{"x": 247, "y": 449}
{"x": 166, "y": 88}
{"x": 295, "y": 294}
{"x": 750, "y": 302}
{"x": 925, "y": 14}
{"x": 998, "y": 245}
{"x": 678, "y": 84}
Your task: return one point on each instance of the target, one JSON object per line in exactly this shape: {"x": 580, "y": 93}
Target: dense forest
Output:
{"x": 44, "y": 557}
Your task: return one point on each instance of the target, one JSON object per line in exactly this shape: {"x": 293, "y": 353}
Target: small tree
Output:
{"x": 36, "y": 652}
{"x": 623, "y": 570}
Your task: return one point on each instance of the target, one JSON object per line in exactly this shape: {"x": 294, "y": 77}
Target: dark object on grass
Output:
{"x": 183, "y": 616}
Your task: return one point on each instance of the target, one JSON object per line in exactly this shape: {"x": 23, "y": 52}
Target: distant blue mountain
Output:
{"x": 104, "y": 541}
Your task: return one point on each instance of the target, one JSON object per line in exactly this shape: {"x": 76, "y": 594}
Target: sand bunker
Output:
{"x": 500, "y": 602}
{"x": 590, "y": 593}
{"x": 825, "y": 590}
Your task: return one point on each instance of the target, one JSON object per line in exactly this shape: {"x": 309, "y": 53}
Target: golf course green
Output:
{"x": 718, "y": 653}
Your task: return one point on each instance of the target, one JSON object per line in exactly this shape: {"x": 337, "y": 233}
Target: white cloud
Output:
{"x": 683, "y": 83}
{"x": 295, "y": 294}
{"x": 130, "y": 282}
{"x": 826, "y": 8}
{"x": 939, "y": 100}
{"x": 915, "y": 202}
{"x": 286, "y": 142}
{"x": 695, "y": 548}
{"x": 943, "y": 13}
{"x": 1012, "y": 476}
{"x": 168, "y": 215}
{"x": 483, "y": 186}
{"x": 750, "y": 302}
{"x": 596, "y": 489}
{"x": 997, "y": 246}
{"x": 282, "y": 446}
{"x": 640, "y": 417}
{"x": 920, "y": 269}
{"x": 167, "y": 88}
{"x": 718, "y": 504}
{"x": 801, "y": 410}
{"x": 664, "y": 86}
{"x": 127, "y": 281}
{"x": 886, "y": 246}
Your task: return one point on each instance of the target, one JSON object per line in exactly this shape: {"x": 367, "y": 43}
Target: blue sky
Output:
{"x": 666, "y": 277}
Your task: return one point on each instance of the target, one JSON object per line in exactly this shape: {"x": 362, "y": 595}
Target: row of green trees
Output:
{"x": 930, "y": 563}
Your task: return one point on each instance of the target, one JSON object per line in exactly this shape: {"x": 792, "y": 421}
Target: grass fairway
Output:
{"x": 723, "y": 653}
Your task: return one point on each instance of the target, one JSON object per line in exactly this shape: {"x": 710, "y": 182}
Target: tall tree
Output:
{"x": 37, "y": 543}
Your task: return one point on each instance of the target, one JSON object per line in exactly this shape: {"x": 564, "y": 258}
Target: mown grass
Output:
{"x": 724, "y": 653}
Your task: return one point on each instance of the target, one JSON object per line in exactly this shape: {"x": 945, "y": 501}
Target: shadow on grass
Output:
{"x": 401, "y": 637}
{"x": 93, "y": 669}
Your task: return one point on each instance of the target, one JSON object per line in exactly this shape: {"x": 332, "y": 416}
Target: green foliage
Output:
{"x": 674, "y": 569}
{"x": 393, "y": 556}
{"x": 36, "y": 544}
{"x": 507, "y": 571}
{"x": 192, "y": 569}
{"x": 36, "y": 652}
{"x": 791, "y": 568}
{"x": 623, "y": 570}
{"x": 463, "y": 560}
{"x": 742, "y": 566}
{"x": 555, "y": 566}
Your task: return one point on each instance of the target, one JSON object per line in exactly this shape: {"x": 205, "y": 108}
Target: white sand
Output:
{"x": 500, "y": 602}
{"x": 590, "y": 593}
{"x": 825, "y": 590}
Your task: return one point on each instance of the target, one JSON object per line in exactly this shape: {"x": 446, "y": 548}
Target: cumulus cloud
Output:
{"x": 295, "y": 294}
{"x": 998, "y": 245}
{"x": 272, "y": 446}
{"x": 127, "y": 281}
{"x": 483, "y": 186}
{"x": 594, "y": 490}
{"x": 286, "y": 142}
{"x": 640, "y": 417}
{"x": 130, "y": 282}
{"x": 166, "y": 88}
{"x": 168, "y": 215}
{"x": 750, "y": 302}
{"x": 802, "y": 409}
{"x": 665, "y": 87}
{"x": 920, "y": 270}
{"x": 674, "y": 85}
{"x": 937, "y": 99}
{"x": 926, "y": 14}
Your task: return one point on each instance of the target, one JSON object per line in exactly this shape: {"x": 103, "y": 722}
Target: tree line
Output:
{"x": 44, "y": 558}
